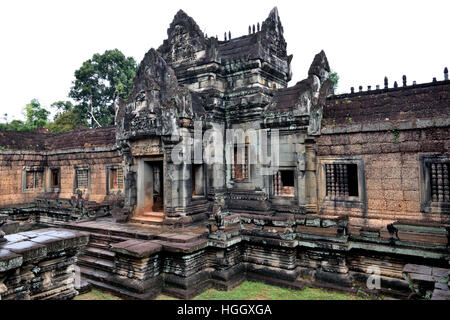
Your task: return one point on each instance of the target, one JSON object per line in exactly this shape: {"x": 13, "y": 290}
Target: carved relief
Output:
{"x": 184, "y": 40}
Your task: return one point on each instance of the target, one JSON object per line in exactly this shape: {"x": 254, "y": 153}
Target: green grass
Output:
{"x": 260, "y": 291}
{"x": 246, "y": 291}
{"x": 95, "y": 294}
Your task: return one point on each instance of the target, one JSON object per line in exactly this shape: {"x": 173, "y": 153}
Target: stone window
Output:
{"x": 439, "y": 182}
{"x": 435, "y": 183}
{"x": 341, "y": 181}
{"x": 55, "y": 176}
{"x": 53, "y": 179}
{"x": 82, "y": 178}
{"x": 284, "y": 183}
{"x": 198, "y": 184}
{"x": 240, "y": 168}
{"x": 116, "y": 178}
{"x": 32, "y": 179}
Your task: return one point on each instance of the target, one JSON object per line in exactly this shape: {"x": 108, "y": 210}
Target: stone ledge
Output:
{"x": 9, "y": 260}
{"x": 388, "y": 125}
{"x": 35, "y": 245}
{"x": 137, "y": 248}
{"x": 186, "y": 247}
{"x": 58, "y": 152}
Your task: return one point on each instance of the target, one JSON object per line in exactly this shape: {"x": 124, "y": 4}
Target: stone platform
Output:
{"x": 40, "y": 264}
{"x": 138, "y": 261}
{"x": 108, "y": 226}
{"x": 129, "y": 258}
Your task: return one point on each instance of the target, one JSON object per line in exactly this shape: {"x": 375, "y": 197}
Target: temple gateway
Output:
{"x": 219, "y": 171}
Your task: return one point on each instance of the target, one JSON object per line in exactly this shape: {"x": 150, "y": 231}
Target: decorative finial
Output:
{"x": 206, "y": 35}
{"x": 249, "y": 29}
{"x": 258, "y": 27}
{"x": 434, "y": 79}
{"x": 229, "y": 35}
{"x": 386, "y": 83}
{"x": 225, "y": 36}
{"x": 445, "y": 73}
{"x": 368, "y": 88}
{"x": 404, "y": 80}
{"x": 253, "y": 28}
{"x": 352, "y": 90}
{"x": 360, "y": 88}
{"x": 395, "y": 84}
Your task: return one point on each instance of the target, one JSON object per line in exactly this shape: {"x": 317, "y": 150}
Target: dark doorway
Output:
{"x": 158, "y": 186}
{"x": 151, "y": 186}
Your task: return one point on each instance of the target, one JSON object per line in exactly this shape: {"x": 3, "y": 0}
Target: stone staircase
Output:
{"x": 97, "y": 261}
{"x": 97, "y": 255}
{"x": 96, "y": 264}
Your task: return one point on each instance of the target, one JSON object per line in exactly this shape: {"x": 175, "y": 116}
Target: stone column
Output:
{"x": 177, "y": 186}
{"x": 310, "y": 177}
{"x": 130, "y": 183}
{"x": 301, "y": 177}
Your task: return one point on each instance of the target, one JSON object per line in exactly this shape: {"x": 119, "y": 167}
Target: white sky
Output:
{"x": 43, "y": 42}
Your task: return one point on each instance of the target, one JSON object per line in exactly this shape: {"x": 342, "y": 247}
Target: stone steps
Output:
{"x": 106, "y": 239}
{"x": 153, "y": 214}
{"x": 123, "y": 293}
{"x": 96, "y": 263}
{"x": 101, "y": 253}
{"x": 99, "y": 279}
{"x": 152, "y": 220}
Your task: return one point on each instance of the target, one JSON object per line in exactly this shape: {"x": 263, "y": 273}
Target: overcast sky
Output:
{"x": 43, "y": 42}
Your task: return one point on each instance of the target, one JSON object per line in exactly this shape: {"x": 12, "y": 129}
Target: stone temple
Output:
{"x": 219, "y": 171}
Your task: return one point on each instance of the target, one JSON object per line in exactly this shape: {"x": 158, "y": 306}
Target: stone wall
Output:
{"x": 93, "y": 149}
{"x": 387, "y": 131}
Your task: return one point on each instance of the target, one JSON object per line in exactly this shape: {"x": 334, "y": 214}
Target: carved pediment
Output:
{"x": 156, "y": 102}
{"x": 272, "y": 32}
{"x": 185, "y": 40}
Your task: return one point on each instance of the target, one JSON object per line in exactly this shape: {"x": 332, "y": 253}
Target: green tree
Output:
{"x": 98, "y": 84}
{"x": 36, "y": 115}
{"x": 61, "y": 107}
{"x": 66, "y": 121}
{"x": 67, "y": 117}
{"x": 15, "y": 125}
{"x": 334, "y": 77}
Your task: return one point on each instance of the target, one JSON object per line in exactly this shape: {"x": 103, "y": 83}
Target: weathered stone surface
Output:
{"x": 9, "y": 260}
{"x": 137, "y": 248}
{"x": 27, "y": 249}
{"x": 38, "y": 266}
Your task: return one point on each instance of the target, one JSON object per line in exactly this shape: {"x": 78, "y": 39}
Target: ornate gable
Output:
{"x": 185, "y": 40}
